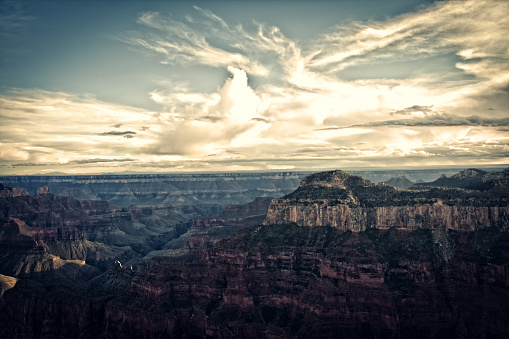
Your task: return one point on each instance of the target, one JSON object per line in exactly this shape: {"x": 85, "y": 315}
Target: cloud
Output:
{"x": 212, "y": 125}
{"x": 115, "y": 133}
{"x": 194, "y": 138}
{"x": 437, "y": 120}
{"x": 42, "y": 126}
{"x": 179, "y": 43}
{"x": 238, "y": 101}
{"x": 475, "y": 30}
{"x": 415, "y": 110}
{"x": 264, "y": 51}
{"x": 99, "y": 160}
{"x": 287, "y": 103}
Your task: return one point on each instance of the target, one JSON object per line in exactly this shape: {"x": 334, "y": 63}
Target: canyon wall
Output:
{"x": 348, "y": 202}
{"x": 156, "y": 189}
{"x": 288, "y": 281}
{"x": 345, "y": 218}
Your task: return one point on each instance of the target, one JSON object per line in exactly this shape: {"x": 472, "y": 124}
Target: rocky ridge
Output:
{"x": 46, "y": 228}
{"x": 349, "y": 202}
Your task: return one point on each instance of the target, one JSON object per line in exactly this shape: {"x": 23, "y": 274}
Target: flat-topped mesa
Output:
{"x": 350, "y": 202}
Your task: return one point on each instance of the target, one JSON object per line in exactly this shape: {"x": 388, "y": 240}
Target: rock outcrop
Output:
{"x": 289, "y": 282}
{"x": 11, "y": 192}
{"x": 471, "y": 179}
{"x": 349, "y": 202}
{"x": 400, "y": 182}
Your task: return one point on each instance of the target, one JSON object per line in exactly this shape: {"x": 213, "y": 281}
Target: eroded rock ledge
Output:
{"x": 352, "y": 203}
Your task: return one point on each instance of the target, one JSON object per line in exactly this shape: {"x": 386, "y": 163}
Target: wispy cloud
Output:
{"x": 474, "y": 30}
{"x": 99, "y": 160}
{"x": 115, "y": 133}
{"x": 435, "y": 120}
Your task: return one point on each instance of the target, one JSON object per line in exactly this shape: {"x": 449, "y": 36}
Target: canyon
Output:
{"x": 156, "y": 189}
{"x": 337, "y": 257}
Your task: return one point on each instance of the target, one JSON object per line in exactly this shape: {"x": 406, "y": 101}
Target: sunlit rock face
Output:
{"x": 349, "y": 202}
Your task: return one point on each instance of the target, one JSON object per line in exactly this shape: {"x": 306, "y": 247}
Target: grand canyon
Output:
{"x": 321, "y": 255}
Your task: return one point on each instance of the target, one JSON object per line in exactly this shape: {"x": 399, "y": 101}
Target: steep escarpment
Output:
{"x": 289, "y": 281}
{"x": 349, "y": 202}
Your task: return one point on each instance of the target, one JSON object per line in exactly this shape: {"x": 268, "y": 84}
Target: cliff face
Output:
{"x": 291, "y": 282}
{"x": 348, "y": 202}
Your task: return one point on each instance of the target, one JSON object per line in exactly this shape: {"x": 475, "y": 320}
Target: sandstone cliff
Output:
{"x": 349, "y": 202}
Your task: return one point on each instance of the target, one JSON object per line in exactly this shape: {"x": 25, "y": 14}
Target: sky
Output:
{"x": 92, "y": 87}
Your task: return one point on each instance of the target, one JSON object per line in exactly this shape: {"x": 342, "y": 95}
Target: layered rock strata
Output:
{"x": 349, "y": 202}
{"x": 289, "y": 281}
{"x": 156, "y": 189}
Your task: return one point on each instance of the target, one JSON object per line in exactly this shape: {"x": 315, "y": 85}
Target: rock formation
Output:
{"x": 46, "y": 227}
{"x": 288, "y": 281}
{"x": 349, "y": 202}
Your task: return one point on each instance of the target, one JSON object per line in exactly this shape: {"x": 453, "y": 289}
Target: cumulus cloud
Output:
{"x": 238, "y": 101}
{"x": 213, "y": 125}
